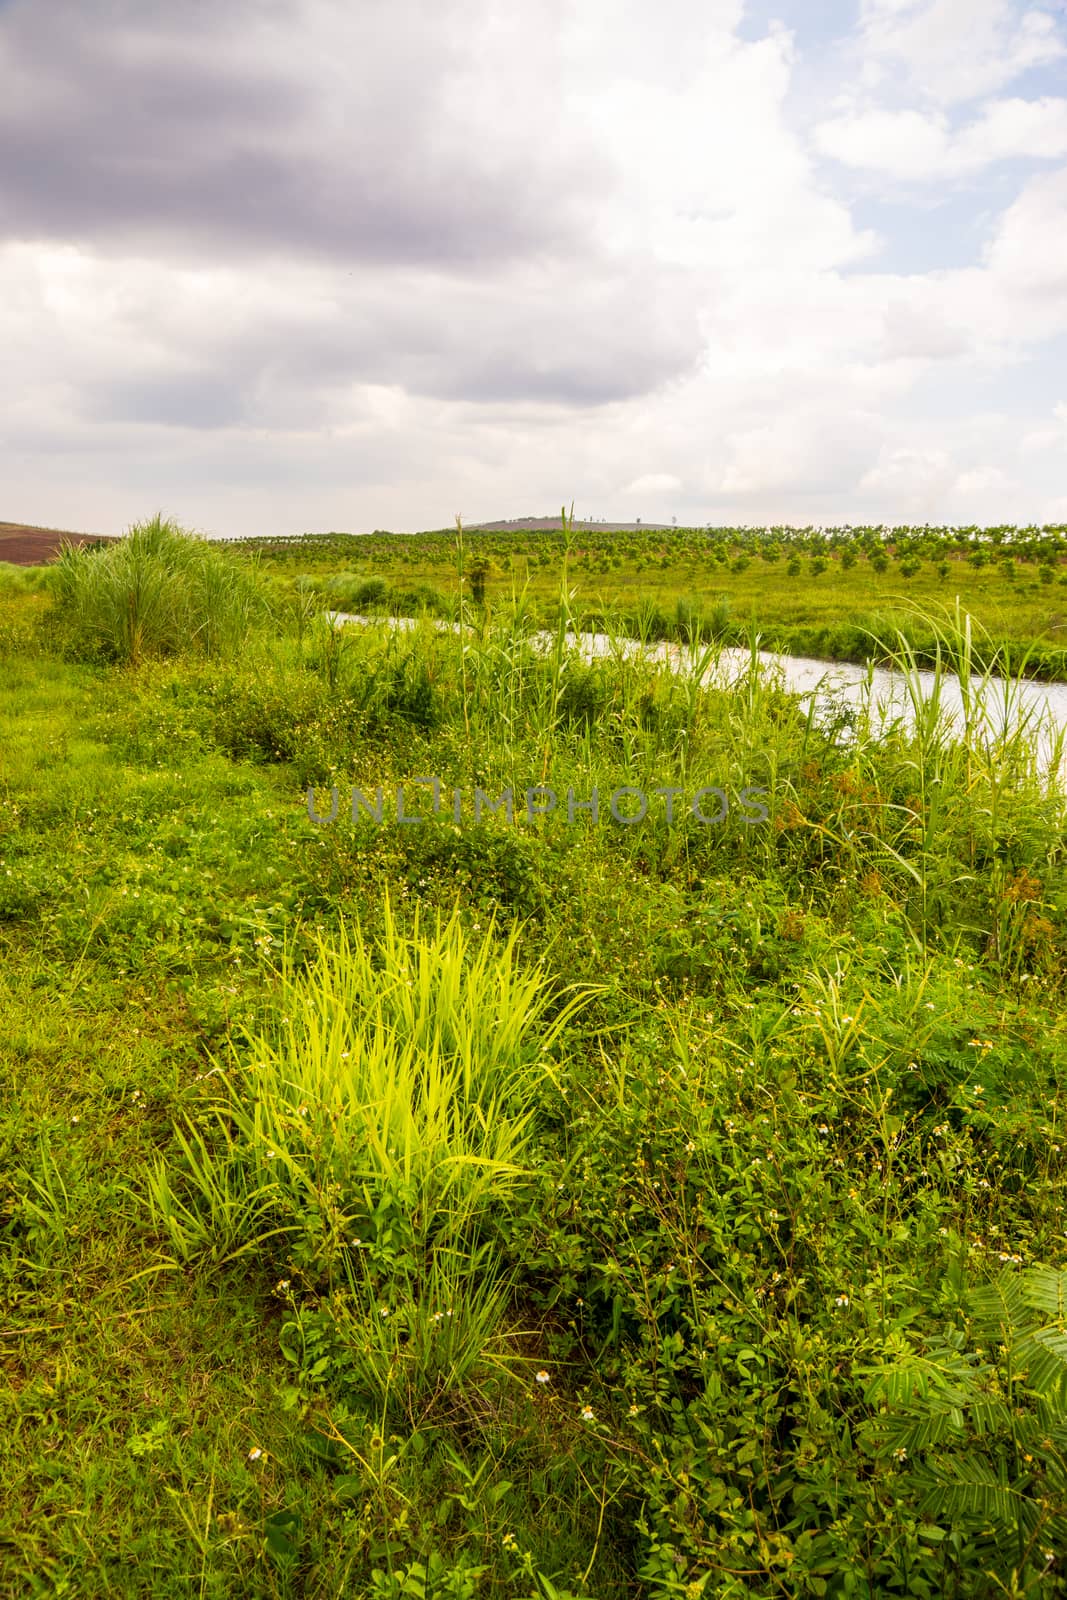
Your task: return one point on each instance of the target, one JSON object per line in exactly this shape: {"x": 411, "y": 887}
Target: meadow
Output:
{"x": 537, "y": 1209}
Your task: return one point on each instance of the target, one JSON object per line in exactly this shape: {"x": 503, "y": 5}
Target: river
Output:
{"x": 1004, "y": 702}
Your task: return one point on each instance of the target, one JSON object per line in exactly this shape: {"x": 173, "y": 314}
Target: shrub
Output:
{"x": 351, "y": 593}
{"x": 418, "y": 598}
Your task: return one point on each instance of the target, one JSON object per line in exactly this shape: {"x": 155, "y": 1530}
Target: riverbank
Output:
{"x": 801, "y": 594}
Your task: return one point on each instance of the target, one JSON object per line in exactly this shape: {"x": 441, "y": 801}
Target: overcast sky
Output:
{"x": 281, "y": 265}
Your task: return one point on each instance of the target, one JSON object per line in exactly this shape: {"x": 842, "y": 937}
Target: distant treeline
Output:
{"x": 1030, "y": 543}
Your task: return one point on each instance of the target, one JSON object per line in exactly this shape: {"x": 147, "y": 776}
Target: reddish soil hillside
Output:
{"x": 31, "y": 547}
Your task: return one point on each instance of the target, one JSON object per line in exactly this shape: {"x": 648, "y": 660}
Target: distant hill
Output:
{"x": 27, "y": 546}
{"x": 24, "y": 546}
{"x": 554, "y": 524}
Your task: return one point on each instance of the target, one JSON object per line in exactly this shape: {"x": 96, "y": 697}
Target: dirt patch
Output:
{"x": 24, "y": 546}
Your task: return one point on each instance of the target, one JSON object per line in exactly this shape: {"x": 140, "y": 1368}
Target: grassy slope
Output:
{"x": 154, "y": 848}
{"x": 135, "y": 1395}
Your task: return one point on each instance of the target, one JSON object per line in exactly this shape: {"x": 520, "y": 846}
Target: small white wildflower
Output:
{"x": 842, "y": 1300}
{"x": 587, "y": 1414}
{"x": 541, "y": 1377}
{"x": 255, "y": 1453}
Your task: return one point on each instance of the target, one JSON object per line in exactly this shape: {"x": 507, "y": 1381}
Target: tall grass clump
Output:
{"x": 376, "y": 1142}
{"x": 392, "y": 1105}
{"x": 160, "y": 591}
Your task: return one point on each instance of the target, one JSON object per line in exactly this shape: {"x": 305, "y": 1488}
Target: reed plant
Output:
{"x": 988, "y": 769}
{"x": 954, "y": 775}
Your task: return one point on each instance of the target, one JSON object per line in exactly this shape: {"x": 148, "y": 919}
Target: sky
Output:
{"x": 284, "y": 266}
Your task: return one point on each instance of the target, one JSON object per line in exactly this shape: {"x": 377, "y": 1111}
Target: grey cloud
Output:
{"x": 405, "y": 170}
{"x": 208, "y": 127}
{"x": 184, "y": 400}
{"x": 563, "y": 341}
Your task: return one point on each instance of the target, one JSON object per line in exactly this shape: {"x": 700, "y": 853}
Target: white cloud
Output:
{"x": 1028, "y": 251}
{"x": 929, "y": 486}
{"x": 799, "y": 455}
{"x": 910, "y": 472}
{"x": 1050, "y": 437}
{"x": 984, "y": 480}
{"x": 949, "y": 51}
{"x": 921, "y": 146}
{"x": 655, "y": 483}
{"x": 1001, "y": 311}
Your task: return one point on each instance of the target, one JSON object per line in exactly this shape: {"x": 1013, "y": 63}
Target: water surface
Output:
{"x": 891, "y": 696}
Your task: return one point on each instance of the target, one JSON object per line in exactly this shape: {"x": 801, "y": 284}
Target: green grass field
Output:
{"x": 525, "y": 1209}
{"x": 832, "y": 596}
